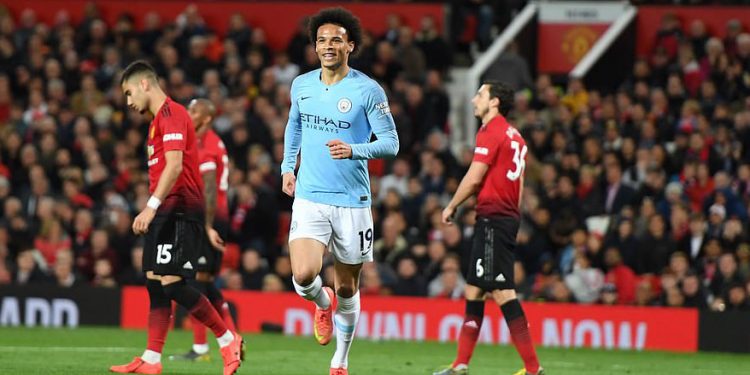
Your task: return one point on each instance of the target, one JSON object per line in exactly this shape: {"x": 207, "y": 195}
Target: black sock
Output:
{"x": 156, "y": 295}
{"x": 475, "y": 308}
{"x": 213, "y": 293}
{"x": 512, "y": 310}
{"x": 183, "y": 294}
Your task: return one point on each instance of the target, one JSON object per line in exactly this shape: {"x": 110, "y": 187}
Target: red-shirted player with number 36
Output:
{"x": 497, "y": 174}
{"x": 172, "y": 222}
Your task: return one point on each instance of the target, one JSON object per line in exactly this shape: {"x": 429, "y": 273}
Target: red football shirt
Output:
{"x": 172, "y": 130}
{"x": 502, "y": 148}
{"x": 213, "y": 157}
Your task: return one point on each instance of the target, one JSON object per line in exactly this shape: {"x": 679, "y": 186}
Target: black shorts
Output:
{"x": 172, "y": 245}
{"x": 209, "y": 259}
{"x": 492, "y": 254}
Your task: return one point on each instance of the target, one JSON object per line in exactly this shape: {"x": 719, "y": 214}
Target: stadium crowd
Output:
{"x": 637, "y": 197}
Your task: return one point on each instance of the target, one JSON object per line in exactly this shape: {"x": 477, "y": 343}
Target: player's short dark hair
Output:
{"x": 138, "y": 67}
{"x": 341, "y": 17}
{"x": 504, "y": 93}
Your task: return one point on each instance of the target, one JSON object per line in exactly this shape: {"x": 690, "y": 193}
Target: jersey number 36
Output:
{"x": 519, "y": 159}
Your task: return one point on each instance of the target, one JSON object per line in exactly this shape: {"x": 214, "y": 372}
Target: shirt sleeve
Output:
{"x": 207, "y": 160}
{"x": 292, "y": 134}
{"x": 486, "y": 148}
{"x": 175, "y": 132}
{"x": 380, "y": 119}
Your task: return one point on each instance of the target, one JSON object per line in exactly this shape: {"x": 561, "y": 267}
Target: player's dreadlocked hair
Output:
{"x": 136, "y": 68}
{"x": 341, "y": 17}
{"x": 504, "y": 93}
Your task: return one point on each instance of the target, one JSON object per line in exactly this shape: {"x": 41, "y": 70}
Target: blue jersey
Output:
{"x": 350, "y": 110}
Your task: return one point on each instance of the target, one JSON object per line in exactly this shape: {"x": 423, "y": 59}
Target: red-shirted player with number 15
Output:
{"x": 497, "y": 174}
{"x": 172, "y": 222}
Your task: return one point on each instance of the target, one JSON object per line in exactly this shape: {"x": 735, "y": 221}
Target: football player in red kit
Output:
{"x": 214, "y": 169}
{"x": 172, "y": 221}
{"x": 496, "y": 173}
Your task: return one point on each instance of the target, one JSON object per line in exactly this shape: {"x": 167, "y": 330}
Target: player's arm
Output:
{"x": 470, "y": 184}
{"x": 485, "y": 154}
{"x": 210, "y": 193}
{"x": 292, "y": 144}
{"x": 381, "y": 121}
{"x": 169, "y": 176}
{"x": 172, "y": 170}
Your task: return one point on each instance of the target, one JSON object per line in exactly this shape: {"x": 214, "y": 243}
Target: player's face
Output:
{"x": 135, "y": 95}
{"x": 197, "y": 114}
{"x": 333, "y": 46}
{"x": 481, "y": 101}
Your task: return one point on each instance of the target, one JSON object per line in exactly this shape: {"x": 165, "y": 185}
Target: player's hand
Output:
{"x": 288, "y": 183}
{"x": 339, "y": 149}
{"x": 447, "y": 216}
{"x": 143, "y": 220}
{"x": 215, "y": 239}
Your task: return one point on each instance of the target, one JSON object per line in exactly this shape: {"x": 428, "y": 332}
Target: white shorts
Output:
{"x": 347, "y": 231}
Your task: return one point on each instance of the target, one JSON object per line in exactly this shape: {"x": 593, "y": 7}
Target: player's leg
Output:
{"x": 306, "y": 256}
{"x": 518, "y": 327}
{"x": 213, "y": 293}
{"x": 502, "y": 234}
{"x": 351, "y": 245}
{"x": 347, "y": 310}
{"x": 180, "y": 246}
{"x": 159, "y": 314}
{"x": 469, "y": 334}
{"x": 477, "y": 277}
{"x": 199, "y": 350}
{"x": 309, "y": 235}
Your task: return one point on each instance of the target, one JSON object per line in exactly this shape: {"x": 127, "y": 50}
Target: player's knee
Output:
{"x": 345, "y": 291}
{"x": 203, "y": 276}
{"x": 304, "y": 278}
{"x": 501, "y": 297}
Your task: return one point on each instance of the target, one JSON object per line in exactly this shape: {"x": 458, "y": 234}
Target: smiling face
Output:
{"x": 333, "y": 46}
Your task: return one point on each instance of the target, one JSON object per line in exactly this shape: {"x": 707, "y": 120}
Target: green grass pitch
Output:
{"x": 93, "y": 350}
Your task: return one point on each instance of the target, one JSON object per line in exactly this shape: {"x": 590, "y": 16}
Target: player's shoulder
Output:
{"x": 305, "y": 78}
{"x": 363, "y": 81}
{"x": 213, "y": 141}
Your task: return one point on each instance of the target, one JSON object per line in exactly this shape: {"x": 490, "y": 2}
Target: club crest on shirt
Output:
{"x": 344, "y": 105}
{"x": 150, "y": 151}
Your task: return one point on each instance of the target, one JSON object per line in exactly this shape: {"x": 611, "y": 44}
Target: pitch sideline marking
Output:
{"x": 75, "y": 349}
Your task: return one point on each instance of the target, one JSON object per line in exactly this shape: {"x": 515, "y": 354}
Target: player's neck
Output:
{"x": 331, "y": 76}
{"x": 157, "y": 101}
{"x": 489, "y": 116}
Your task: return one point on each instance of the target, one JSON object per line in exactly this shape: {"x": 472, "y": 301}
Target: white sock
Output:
{"x": 151, "y": 357}
{"x": 313, "y": 292}
{"x": 200, "y": 348}
{"x": 225, "y": 339}
{"x": 346, "y": 316}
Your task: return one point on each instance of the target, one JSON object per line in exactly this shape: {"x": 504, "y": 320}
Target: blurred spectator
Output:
{"x": 409, "y": 55}
{"x": 585, "y": 282}
{"x": 727, "y": 275}
{"x": 409, "y": 282}
{"x": 620, "y": 275}
{"x": 27, "y": 270}
{"x": 694, "y": 292}
{"x": 449, "y": 283}
{"x": 134, "y": 275}
{"x": 253, "y": 271}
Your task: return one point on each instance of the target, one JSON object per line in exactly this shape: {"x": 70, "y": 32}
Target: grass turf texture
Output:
{"x": 93, "y": 350}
